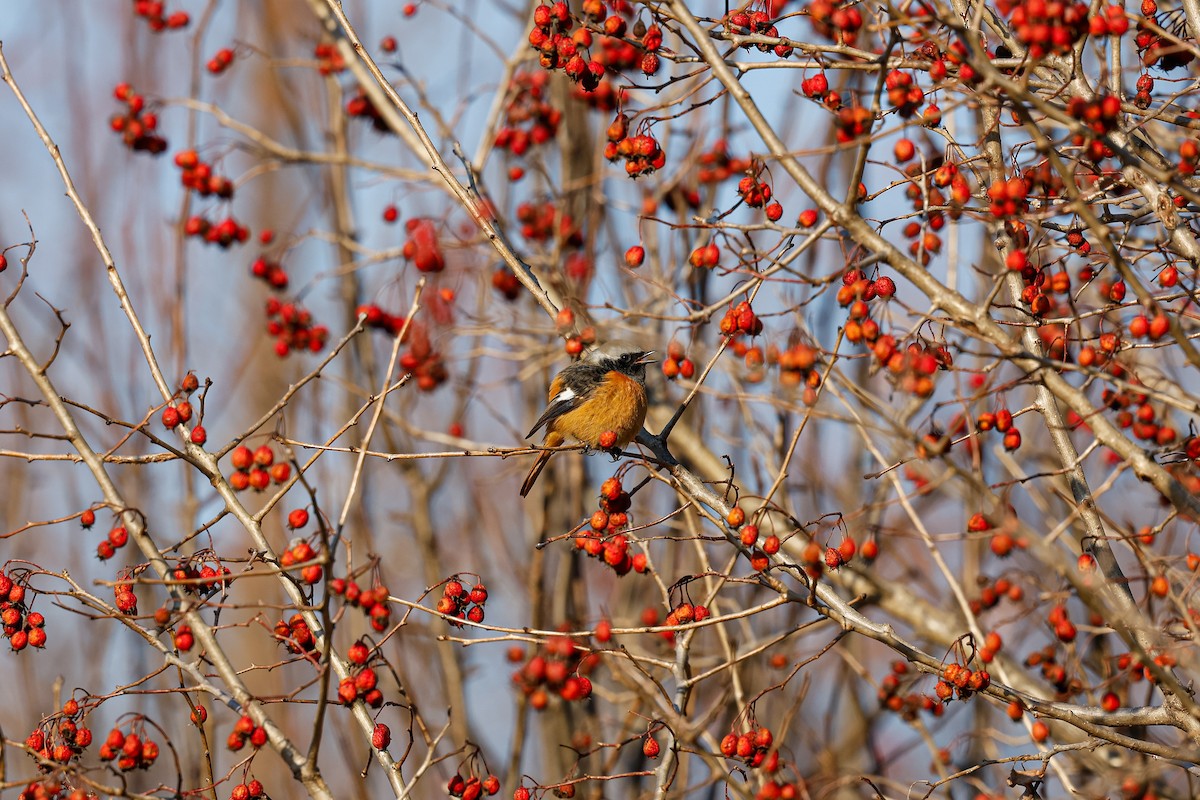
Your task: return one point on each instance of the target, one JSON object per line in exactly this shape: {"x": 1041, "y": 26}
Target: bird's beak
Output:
{"x": 647, "y": 358}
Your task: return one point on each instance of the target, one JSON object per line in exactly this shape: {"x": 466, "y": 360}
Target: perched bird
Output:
{"x": 605, "y": 392}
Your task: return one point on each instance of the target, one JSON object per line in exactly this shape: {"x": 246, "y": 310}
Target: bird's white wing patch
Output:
{"x": 563, "y": 396}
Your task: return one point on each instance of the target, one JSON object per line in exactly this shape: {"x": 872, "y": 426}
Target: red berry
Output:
{"x": 381, "y": 737}
{"x": 650, "y": 747}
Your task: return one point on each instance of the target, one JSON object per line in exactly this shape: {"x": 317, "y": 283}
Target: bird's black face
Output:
{"x": 634, "y": 364}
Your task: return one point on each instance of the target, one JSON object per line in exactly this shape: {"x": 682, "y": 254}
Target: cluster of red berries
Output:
{"x": 329, "y": 58}
{"x": 196, "y": 576}
{"x": 816, "y": 88}
{"x": 750, "y": 536}
{"x": 652, "y": 41}
{"x": 183, "y": 638}
{"x": 379, "y": 319}
{"x": 706, "y": 256}
{"x": 244, "y": 730}
{"x": 856, "y": 291}
{"x": 198, "y": 176}
{"x": 472, "y": 787}
{"x": 797, "y": 366}
{"x": 124, "y": 598}
{"x": 1107, "y": 343}
{"x": 1189, "y": 154}
{"x": 852, "y": 122}
{"x": 614, "y": 27}
{"x": 686, "y": 613}
{"x": 1127, "y": 662}
{"x": 295, "y": 635}
{"x": 857, "y": 287}
{"x": 558, "y": 49}
{"x": 362, "y": 684}
{"x": 1009, "y": 198}
{"x": 130, "y": 750}
{"x": 1156, "y": 50}
{"x": 1111, "y": 21}
{"x": 302, "y": 553}
{"x": 422, "y": 361}
{"x": 677, "y": 364}
{"x": 1076, "y": 240}
{"x": 421, "y": 247}
{"x": 292, "y": 326}
{"x": 62, "y": 737}
{"x": 1060, "y": 621}
{"x": 605, "y": 540}
{"x": 574, "y": 345}
{"x": 136, "y": 125}
{"x": 372, "y": 602}
{"x": 544, "y": 222}
{"x": 270, "y": 272}
{"x": 180, "y": 413}
{"x": 925, "y": 192}
{"x": 559, "y": 666}
{"x": 990, "y": 595}
{"x": 914, "y": 366}
{"x": 1102, "y": 115}
{"x": 1002, "y": 422}
{"x": 529, "y": 119}
{"x": 117, "y": 538}
{"x": 836, "y": 21}
{"x": 906, "y": 705}
{"x": 650, "y": 619}
{"x": 1047, "y": 27}
{"x": 775, "y": 789}
{"x": 961, "y": 681}
{"x": 903, "y": 93}
{"x": 836, "y": 557}
{"x": 813, "y": 557}
{"x": 52, "y": 789}
{"x": 606, "y": 97}
{"x": 458, "y": 601}
{"x": 154, "y": 12}
{"x": 248, "y": 791}
{"x": 1039, "y": 290}
{"x": 579, "y": 269}
{"x": 716, "y": 165}
{"x": 256, "y": 468}
{"x": 1055, "y": 673}
{"x": 506, "y": 283}
{"x": 741, "y": 319}
{"x": 360, "y": 106}
{"x": 1135, "y": 412}
{"x": 760, "y": 23}
{"x": 22, "y": 627}
{"x": 750, "y": 747}
{"x": 756, "y": 193}
{"x": 224, "y": 234}
{"x": 220, "y": 62}
{"x": 642, "y": 153}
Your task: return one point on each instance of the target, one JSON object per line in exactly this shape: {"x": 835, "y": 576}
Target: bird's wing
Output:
{"x": 565, "y": 400}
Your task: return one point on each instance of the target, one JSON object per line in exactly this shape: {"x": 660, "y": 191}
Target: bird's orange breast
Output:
{"x": 618, "y": 404}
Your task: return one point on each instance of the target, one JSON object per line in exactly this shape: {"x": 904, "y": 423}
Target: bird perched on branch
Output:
{"x": 599, "y": 401}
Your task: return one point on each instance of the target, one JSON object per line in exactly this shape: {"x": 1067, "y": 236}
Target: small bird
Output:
{"x": 605, "y": 392}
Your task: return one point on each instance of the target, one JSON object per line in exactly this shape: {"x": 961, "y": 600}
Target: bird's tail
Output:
{"x": 552, "y": 440}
